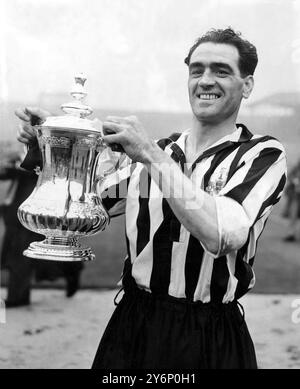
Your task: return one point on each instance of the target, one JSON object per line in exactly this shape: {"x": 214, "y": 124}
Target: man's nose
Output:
{"x": 207, "y": 79}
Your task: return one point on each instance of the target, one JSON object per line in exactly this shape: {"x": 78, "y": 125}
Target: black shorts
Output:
{"x": 162, "y": 332}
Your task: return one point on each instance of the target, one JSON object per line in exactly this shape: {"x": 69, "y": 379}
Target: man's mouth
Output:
{"x": 208, "y": 96}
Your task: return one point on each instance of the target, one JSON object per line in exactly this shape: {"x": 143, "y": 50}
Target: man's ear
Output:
{"x": 248, "y": 86}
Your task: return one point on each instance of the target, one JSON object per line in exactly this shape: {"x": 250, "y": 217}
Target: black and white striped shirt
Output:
{"x": 163, "y": 256}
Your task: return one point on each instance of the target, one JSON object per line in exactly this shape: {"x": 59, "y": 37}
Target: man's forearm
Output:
{"x": 193, "y": 207}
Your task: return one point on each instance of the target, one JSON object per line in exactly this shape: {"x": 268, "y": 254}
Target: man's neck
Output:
{"x": 204, "y": 134}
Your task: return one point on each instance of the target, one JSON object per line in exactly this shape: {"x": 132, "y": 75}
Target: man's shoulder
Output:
{"x": 250, "y": 139}
{"x": 261, "y": 147}
{"x": 265, "y": 141}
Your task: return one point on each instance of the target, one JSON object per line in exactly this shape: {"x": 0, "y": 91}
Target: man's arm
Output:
{"x": 220, "y": 223}
{"x": 194, "y": 208}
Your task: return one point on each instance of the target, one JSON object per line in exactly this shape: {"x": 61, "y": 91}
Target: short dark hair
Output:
{"x": 247, "y": 51}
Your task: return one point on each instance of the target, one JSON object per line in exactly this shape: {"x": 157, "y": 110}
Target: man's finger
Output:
{"x": 34, "y": 115}
{"x": 115, "y": 119}
{"x": 131, "y": 119}
{"x": 23, "y": 140}
{"x": 29, "y": 129}
{"x": 122, "y": 120}
{"x": 21, "y": 114}
{"x": 26, "y": 129}
{"x": 25, "y": 135}
{"x": 111, "y": 128}
{"x": 36, "y": 111}
{"x": 108, "y": 139}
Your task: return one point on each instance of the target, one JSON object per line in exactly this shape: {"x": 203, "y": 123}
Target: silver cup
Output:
{"x": 64, "y": 205}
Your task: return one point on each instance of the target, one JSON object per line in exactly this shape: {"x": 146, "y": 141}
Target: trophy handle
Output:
{"x": 108, "y": 162}
{"x": 117, "y": 148}
{"x": 99, "y": 179}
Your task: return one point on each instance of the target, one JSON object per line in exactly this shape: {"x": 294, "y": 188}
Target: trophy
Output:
{"x": 64, "y": 205}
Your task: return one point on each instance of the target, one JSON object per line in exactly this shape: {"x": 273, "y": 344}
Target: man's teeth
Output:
{"x": 208, "y": 96}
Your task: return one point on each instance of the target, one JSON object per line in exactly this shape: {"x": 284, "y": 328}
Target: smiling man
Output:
{"x": 195, "y": 204}
{"x": 216, "y": 82}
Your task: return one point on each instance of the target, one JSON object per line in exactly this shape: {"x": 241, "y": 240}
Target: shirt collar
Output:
{"x": 240, "y": 135}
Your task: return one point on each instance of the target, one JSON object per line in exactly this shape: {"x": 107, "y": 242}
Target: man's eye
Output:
{"x": 222, "y": 73}
{"x": 196, "y": 72}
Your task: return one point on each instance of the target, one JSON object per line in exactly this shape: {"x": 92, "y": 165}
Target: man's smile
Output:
{"x": 208, "y": 96}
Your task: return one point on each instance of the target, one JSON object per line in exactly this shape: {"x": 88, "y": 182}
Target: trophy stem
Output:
{"x": 62, "y": 241}
{"x": 63, "y": 249}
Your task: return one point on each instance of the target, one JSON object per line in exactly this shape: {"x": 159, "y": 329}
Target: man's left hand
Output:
{"x": 130, "y": 134}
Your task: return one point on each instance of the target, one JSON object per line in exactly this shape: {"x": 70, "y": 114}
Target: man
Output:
{"x": 292, "y": 209}
{"x": 196, "y": 204}
{"x": 20, "y": 269}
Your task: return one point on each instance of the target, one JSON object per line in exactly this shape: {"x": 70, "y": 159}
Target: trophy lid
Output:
{"x": 75, "y": 111}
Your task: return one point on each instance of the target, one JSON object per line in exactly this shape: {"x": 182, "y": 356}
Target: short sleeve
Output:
{"x": 250, "y": 193}
{"x": 259, "y": 181}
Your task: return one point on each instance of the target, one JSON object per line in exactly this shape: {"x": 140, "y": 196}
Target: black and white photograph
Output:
{"x": 149, "y": 187}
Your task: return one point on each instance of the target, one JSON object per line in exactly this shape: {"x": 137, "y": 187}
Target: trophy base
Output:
{"x": 59, "y": 249}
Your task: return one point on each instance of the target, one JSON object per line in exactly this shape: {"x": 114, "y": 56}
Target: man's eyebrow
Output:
{"x": 195, "y": 64}
{"x": 222, "y": 65}
{"x": 211, "y": 65}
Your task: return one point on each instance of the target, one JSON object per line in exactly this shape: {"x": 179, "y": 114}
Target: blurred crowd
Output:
{"x": 292, "y": 205}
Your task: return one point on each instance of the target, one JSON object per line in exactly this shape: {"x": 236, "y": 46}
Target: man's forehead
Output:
{"x": 215, "y": 52}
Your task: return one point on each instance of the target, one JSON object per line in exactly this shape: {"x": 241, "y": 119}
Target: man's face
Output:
{"x": 215, "y": 84}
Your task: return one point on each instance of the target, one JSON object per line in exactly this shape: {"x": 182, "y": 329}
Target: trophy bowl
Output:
{"x": 64, "y": 204}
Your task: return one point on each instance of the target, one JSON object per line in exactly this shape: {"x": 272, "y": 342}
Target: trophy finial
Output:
{"x": 80, "y": 79}
{"x": 77, "y": 106}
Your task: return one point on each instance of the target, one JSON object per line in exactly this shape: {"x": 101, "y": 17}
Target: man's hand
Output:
{"x": 131, "y": 135}
{"x": 29, "y": 117}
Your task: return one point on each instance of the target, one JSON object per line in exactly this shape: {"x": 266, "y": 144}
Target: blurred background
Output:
{"x": 132, "y": 52}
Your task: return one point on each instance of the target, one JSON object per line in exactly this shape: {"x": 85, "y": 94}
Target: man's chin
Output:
{"x": 206, "y": 114}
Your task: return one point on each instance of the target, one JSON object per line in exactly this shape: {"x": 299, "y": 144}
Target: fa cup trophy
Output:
{"x": 64, "y": 205}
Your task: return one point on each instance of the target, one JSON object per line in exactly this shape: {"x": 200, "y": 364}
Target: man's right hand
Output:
{"x": 29, "y": 117}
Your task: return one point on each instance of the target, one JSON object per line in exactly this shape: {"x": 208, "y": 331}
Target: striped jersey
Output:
{"x": 163, "y": 257}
